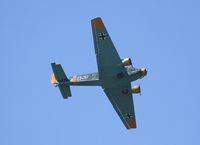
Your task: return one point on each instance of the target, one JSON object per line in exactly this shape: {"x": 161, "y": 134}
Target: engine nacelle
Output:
{"x": 143, "y": 71}
{"x": 127, "y": 61}
{"x": 136, "y": 89}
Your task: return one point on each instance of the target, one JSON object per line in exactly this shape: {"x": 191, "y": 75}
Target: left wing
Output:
{"x": 108, "y": 60}
{"x": 122, "y": 101}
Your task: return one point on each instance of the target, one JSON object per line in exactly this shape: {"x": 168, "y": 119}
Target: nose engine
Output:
{"x": 143, "y": 71}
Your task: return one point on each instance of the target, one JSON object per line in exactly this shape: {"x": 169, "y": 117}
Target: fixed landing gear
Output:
{"x": 125, "y": 91}
{"x": 120, "y": 75}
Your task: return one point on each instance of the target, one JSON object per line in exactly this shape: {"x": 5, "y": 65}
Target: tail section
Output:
{"x": 60, "y": 79}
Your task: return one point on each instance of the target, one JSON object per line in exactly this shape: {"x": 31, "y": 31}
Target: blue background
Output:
{"x": 160, "y": 35}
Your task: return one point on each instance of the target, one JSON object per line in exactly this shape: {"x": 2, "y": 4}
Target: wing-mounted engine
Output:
{"x": 136, "y": 90}
{"x": 127, "y": 61}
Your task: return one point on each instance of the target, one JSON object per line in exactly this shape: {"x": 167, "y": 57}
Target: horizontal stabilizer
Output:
{"x": 60, "y": 79}
{"x": 65, "y": 90}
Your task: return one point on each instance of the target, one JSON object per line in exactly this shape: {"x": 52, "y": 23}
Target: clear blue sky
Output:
{"x": 163, "y": 36}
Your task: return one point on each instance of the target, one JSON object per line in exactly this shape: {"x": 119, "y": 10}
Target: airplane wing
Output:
{"x": 108, "y": 60}
{"x": 122, "y": 101}
{"x": 110, "y": 64}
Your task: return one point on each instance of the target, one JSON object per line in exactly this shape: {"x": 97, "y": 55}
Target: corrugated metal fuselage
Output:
{"x": 93, "y": 79}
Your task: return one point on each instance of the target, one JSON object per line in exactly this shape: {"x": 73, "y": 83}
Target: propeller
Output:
{"x": 140, "y": 89}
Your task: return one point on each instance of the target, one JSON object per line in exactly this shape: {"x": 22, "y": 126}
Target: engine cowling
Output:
{"x": 136, "y": 89}
{"x": 143, "y": 71}
{"x": 127, "y": 61}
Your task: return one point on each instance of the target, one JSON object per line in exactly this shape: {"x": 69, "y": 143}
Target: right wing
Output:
{"x": 108, "y": 60}
{"x": 122, "y": 101}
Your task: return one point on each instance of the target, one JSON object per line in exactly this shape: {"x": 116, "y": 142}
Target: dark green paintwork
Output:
{"x": 110, "y": 66}
{"x": 122, "y": 103}
{"x": 112, "y": 76}
{"x": 61, "y": 77}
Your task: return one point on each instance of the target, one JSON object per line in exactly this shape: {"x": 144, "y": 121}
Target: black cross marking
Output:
{"x": 129, "y": 115}
{"x": 102, "y": 36}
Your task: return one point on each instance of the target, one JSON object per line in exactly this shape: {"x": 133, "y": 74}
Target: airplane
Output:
{"x": 114, "y": 75}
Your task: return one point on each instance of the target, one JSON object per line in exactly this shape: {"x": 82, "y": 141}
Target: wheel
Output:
{"x": 125, "y": 91}
{"x": 120, "y": 75}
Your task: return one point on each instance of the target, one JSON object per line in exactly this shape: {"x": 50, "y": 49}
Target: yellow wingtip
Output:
{"x": 97, "y": 23}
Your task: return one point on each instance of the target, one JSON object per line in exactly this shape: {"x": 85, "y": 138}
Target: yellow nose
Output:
{"x": 143, "y": 71}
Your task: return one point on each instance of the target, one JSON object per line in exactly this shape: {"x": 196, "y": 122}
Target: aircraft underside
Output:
{"x": 114, "y": 75}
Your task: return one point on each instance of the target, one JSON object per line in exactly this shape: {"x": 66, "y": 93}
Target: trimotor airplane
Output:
{"x": 114, "y": 75}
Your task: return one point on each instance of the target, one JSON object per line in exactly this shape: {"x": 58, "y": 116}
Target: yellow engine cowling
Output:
{"x": 53, "y": 79}
{"x": 127, "y": 61}
{"x": 136, "y": 89}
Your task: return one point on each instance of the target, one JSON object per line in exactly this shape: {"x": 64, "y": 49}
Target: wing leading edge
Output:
{"x": 122, "y": 101}
{"x": 109, "y": 65}
{"x": 108, "y": 59}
